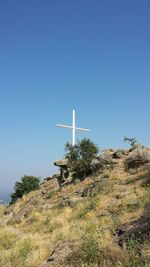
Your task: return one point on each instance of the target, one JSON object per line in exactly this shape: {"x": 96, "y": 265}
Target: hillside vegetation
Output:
{"x": 102, "y": 220}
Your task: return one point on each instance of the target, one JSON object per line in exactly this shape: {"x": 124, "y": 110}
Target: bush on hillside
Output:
{"x": 92, "y": 250}
{"x": 80, "y": 157}
{"x": 27, "y": 184}
{"x": 133, "y": 143}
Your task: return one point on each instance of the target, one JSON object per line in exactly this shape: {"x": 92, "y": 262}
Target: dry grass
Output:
{"x": 43, "y": 227}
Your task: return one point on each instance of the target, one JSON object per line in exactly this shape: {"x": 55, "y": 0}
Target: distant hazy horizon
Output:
{"x": 5, "y": 197}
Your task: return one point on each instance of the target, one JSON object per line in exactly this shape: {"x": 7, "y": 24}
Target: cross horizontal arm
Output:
{"x": 82, "y": 129}
{"x": 71, "y": 127}
{"x": 64, "y": 126}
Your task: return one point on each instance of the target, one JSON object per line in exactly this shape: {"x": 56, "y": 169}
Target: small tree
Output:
{"x": 27, "y": 184}
{"x": 131, "y": 141}
{"x": 80, "y": 157}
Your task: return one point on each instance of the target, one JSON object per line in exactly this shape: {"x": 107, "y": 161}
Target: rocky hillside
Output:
{"x": 103, "y": 220}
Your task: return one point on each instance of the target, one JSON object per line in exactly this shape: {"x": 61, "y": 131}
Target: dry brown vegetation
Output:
{"x": 77, "y": 224}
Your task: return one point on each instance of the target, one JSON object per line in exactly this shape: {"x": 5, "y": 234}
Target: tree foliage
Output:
{"x": 131, "y": 141}
{"x": 80, "y": 157}
{"x": 134, "y": 144}
{"x": 27, "y": 184}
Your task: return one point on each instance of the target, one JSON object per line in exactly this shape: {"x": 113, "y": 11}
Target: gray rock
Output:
{"x": 97, "y": 164}
{"x": 61, "y": 163}
{"x": 138, "y": 157}
{"x": 92, "y": 189}
{"x": 49, "y": 178}
{"x": 59, "y": 255}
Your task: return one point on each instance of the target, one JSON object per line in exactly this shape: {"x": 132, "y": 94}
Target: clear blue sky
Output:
{"x": 93, "y": 56}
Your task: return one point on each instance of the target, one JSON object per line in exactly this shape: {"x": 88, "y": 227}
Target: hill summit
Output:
{"x": 102, "y": 219}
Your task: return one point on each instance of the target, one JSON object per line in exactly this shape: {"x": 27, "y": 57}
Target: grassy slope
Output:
{"x": 37, "y": 223}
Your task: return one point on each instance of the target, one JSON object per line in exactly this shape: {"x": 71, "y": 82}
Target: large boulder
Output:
{"x": 138, "y": 157}
{"x": 66, "y": 175}
{"x": 97, "y": 164}
{"x": 108, "y": 152}
{"x": 61, "y": 163}
{"x": 59, "y": 256}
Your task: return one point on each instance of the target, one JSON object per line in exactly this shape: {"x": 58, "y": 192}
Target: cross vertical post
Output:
{"x": 73, "y": 128}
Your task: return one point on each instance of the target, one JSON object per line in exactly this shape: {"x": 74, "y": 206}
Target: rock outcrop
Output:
{"x": 139, "y": 229}
{"x": 59, "y": 255}
{"x": 138, "y": 157}
{"x": 66, "y": 175}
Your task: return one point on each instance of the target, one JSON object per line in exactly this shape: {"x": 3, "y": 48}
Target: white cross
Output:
{"x": 73, "y": 127}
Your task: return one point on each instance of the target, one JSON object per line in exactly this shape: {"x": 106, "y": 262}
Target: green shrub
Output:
{"x": 131, "y": 141}
{"x": 27, "y": 184}
{"x": 86, "y": 209}
{"x": 19, "y": 256}
{"x": 88, "y": 250}
{"x": 80, "y": 157}
{"x": 91, "y": 251}
{"x": 25, "y": 249}
{"x": 90, "y": 246}
{"x": 133, "y": 256}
